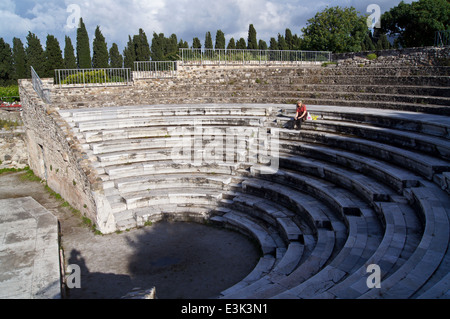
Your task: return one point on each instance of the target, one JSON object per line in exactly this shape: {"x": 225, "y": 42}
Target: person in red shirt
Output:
{"x": 300, "y": 115}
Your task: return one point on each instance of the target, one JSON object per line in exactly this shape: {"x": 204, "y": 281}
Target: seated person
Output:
{"x": 300, "y": 115}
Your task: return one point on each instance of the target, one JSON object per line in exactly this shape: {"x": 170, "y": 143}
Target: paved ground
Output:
{"x": 29, "y": 251}
{"x": 182, "y": 260}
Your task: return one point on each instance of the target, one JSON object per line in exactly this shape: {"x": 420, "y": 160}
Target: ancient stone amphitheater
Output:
{"x": 366, "y": 182}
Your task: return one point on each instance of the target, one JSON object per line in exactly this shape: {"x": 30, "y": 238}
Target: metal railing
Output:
{"x": 252, "y": 57}
{"x": 442, "y": 38}
{"x": 154, "y": 69}
{"x": 92, "y": 77}
{"x": 38, "y": 86}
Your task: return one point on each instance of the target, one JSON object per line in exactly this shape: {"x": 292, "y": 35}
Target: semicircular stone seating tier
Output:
{"x": 354, "y": 187}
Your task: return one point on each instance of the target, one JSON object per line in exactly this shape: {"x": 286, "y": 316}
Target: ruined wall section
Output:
{"x": 55, "y": 155}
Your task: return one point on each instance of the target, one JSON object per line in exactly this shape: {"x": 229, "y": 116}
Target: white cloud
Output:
{"x": 186, "y": 18}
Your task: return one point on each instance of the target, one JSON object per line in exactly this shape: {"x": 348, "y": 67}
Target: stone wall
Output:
{"x": 56, "y": 156}
{"x": 427, "y": 56}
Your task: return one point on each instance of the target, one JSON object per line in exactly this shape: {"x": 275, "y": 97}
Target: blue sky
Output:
{"x": 186, "y": 18}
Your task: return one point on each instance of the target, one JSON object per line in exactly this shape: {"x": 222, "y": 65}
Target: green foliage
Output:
{"x": 94, "y": 76}
{"x": 252, "y": 42}
{"x": 53, "y": 56}
{"x": 220, "y": 40}
{"x": 100, "y": 57}
{"x": 6, "y": 69}
{"x": 83, "y": 49}
{"x": 372, "y": 56}
{"x": 129, "y": 54}
{"x": 9, "y": 91}
{"x": 208, "y": 41}
{"x": 335, "y": 29}
{"x": 142, "y": 47}
{"x": 35, "y": 54}
{"x": 241, "y": 44}
{"x": 196, "y": 44}
{"x": 415, "y": 24}
{"x": 70, "y": 61}
{"x": 20, "y": 64}
{"x": 115, "y": 58}
{"x": 231, "y": 44}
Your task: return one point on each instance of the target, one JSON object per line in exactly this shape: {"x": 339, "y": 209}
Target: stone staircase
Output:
{"x": 417, "y": 89}
{"x": 356, "y": 186}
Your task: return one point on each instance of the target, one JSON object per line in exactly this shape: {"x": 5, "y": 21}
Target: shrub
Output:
{"x": 372, "y": 56}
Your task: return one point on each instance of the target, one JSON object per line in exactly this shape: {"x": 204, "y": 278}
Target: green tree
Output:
{"x": 241, "y": 44}
{"x": 289, "y": 38}
{"x": 384, "y": 43}
{"x": 282, "y": 45}
{"x": 335, "y": 29}
{"x": 20, "y": 65}
{"x": 115, "y": 58}
{"x": 158, "y": 47}
{"x": 35, "y": 54}
{"x": 208, "y": 41}
{"x": 367, "y": 44}
{"x": 53, "y": 56}
{"x": 129, "y": 54}
{"x": 183, "y": 44}
{"x": 252, "y": 42}
{"x": 231, "y": 44}
{"x": 141, "y": 46}
{"x": 262, "y": 45}
{"x": 171, "y": 48}
{"x": 100, "y": 58}
{"x": 196, "y": 44}
{"x": 415, "y": 24}
{"x": 273, "y": 44}
{"x": 6, "y": 64}
{"x": 70, "y": 61}
{"x": 220, "y": 40}
{"x": 83, "y": 49}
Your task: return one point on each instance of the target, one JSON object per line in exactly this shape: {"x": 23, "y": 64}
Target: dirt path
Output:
{"x": 182, "y": 260}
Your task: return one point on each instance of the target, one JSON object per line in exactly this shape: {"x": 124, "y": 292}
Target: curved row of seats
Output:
{"x": 353, "y": 187}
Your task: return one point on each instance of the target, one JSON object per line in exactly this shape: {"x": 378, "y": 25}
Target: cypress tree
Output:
{"x": 35, "y": 54}
{"x": 115, "y": 58}
{"x": 70, "y": 61}
{"x": 262, "y": 45}
{"x": 231, "y": 44}
{"x": 208, "y": 41}
{"x": 6, "y": 64}
{"x": 83, "y": 49}
{"x": 53, "y": 56}
{"x": 196, "y": 44}
{"x": 273, "y": 44}
{"x": 220, "y": 40}
{"x": 129, "y": 54}
{"x": 289, "y": 38}
{"x": 142, "y": 48}
{"x": 252, "y": 41}
{"x": 21, "y": 69}
{"x": 100, "y": 58}
{"x": 282, "y": 45}
{"x": 241, "y": 44}
{"x": 171, "y": 48}
{"x": 183, "y": 44}
{"x": 157, "y": 49}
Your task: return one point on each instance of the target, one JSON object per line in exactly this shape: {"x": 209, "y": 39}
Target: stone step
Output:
{"x": 430, "y": 124}
{"x": 268, "y": 245}
{"x": 364, "y": 186}
{"x": 146, "y": 168}
{"x": 157, "y": 181}
{"x": 168, "y": 121}
{"x": 433, "y": 146}
{"x": 419, "y": 163}
{"x": 393, "y": 176}
{"x": 426, "y": 259}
